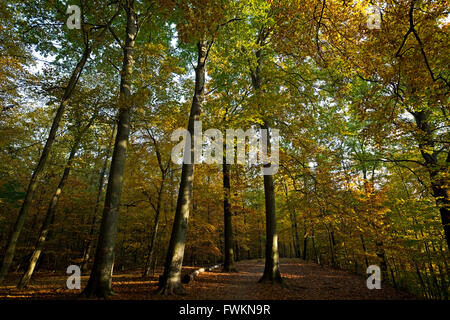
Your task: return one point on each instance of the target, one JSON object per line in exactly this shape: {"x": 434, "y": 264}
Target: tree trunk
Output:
{"x": 437, "y": 172}
{"x": 236, "y": 251}
{"x": 382, "y": 258}
{"x": 68, "y": 91}
{"x": 228, "y": 265}
{"x": 365, "y": 251}
{"x": 100, "y": 280}
{"x": 90, "y": 241}
{"x": 294, "y": 227}
{"x": 305, "y": 246}
{"x": 51, "y": 211}
{"x": 170, "y": 282}
{"x": 316, "y": 253}
{"x": 148, "y": 265}
{"x": 331, "y": 246}
{"x": 272, "y": 267}
{"x": 422, "y": 283}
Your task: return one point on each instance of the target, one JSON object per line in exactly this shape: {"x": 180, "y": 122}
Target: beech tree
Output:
{"x": 89, "y": 113}
{"x": 100, "y": 280}
{"x": 52, "y": 207}
{"x": 88, "y": 44}
{"x": 207, "y": 22}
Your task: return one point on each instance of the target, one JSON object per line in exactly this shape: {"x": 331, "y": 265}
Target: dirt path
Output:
{"x": 304, "y": 280}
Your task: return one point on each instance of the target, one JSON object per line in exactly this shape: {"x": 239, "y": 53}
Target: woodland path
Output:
{"x": 305, "y": 280}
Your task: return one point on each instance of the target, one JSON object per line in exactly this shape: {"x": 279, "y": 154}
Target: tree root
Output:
{"x": 96, "y": 291}
{"x": 170, "y": 289}
{"x": 272, "y": 279}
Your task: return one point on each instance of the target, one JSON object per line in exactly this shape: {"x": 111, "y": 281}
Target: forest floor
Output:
{"x": 304, "y": 280}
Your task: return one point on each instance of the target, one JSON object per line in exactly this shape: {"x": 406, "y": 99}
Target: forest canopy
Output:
{"x": 358, "y": 92}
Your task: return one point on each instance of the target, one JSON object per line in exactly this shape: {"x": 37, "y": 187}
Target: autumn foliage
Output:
{"x": 362, "y": 113}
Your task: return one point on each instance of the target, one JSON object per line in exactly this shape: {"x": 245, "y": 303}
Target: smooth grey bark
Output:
{"x": 51, "y": 210}
{"x": 18, "y": 226}
{"x": 170, "y": 282}
{"x": 90, "y": 242}
{"x": 100, "y": 280}
{"x": 272, "y": 264}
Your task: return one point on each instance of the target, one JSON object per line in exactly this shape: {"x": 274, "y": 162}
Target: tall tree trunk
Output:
{"x": 272, "y": 265}
{"x": 51, "y": 211}
{"x": 90, "y": 241}
{"x": 331, "y": 246}
{"x": 148, "y": 265}
{"x": 294, "y": 227}
{"x": 305, "y": 246}
{"x": 164, "y": 170}
{"x": 171, "y": 279}
{"x": 313, "y": 241}
{"x": 438, "y": 172}
{"x": 228, "y": 265}
{"x": 365, "y": 251}
{"x": 68, "y": 91}
{"x": 382, "y": 259}
{"x": 392, "y": 271}
{"x": 100, "y": 280}
{"x": 422, "y": 283}
{"x": 237, "y": 257}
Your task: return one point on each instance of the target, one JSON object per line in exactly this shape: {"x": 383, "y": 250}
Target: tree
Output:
{"x": 228, "y": 264}
{"x": 164, "y": 172}
{"x": 207, "y": 22}
{"x": 68, "y": 91}
{"x": 405, "y": 60}
{"x": 90, "y": 242}
{"x": 171, "y": 280}
{"x": 52, "y": 208}
{"x": 100, "y": 280}
{"x": 272, "y": 264}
